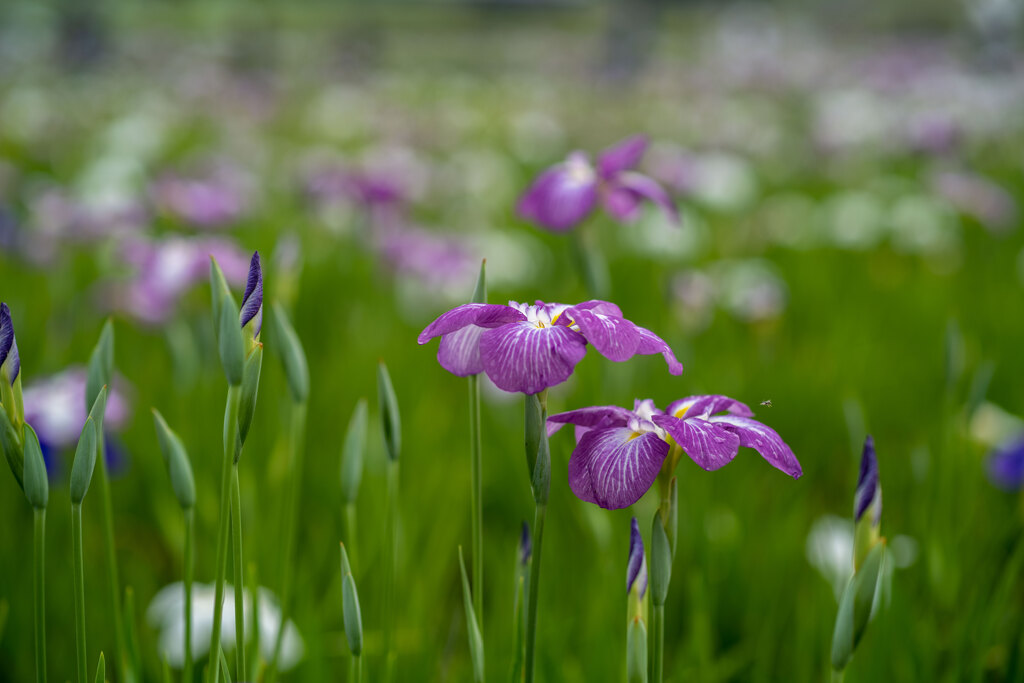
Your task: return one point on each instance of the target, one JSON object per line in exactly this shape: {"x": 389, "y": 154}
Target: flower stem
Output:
{"x": 355, "y": 669}
{"x": 297, "y": 448}
{"x": 189, "y": 571}
{"x": 476, "y": 501}
{"x": 531, "y": 605}
{"x": 658, "y": 626}
{"x": 79, "y": 570}
{"x": 350, "y": 532}
{"x": 121, "y": 657}
{"x": 391, "y": 548}
{"x": 231, "y": 435}
{"x": 40, "y": 598}
{"x": 236, "y": 548}
{"x": 838, "y": 676}
{"x": 538, "y": 457}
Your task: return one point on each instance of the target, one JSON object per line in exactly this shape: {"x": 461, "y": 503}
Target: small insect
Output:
{"x": 767, "y": 403}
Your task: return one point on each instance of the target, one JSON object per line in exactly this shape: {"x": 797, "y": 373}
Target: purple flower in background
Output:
{"x": 620, "y": 452}
{"x": 636, "y": 568}
{"x": 331, "y": 182}
{"x": 212, "y": 200}
{"x": 562, "y": 196}
{"x": 440, "y": 262}
{"x": 528, "y": 348}
{"x": 1006, "y": 465}
{"x": 252, "y": 300}
{"x": 987, "y": 202}
{"x": 869, "y": 491}
{"x": 10, "y": 362}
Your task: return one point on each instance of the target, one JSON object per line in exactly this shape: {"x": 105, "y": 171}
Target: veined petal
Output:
{"x": 528, "y": 359}
{"x": 709, "y": 445}
{"x": 764, "y": 440}
{"x": 599, "y": 306}
{"x": 621, "y": 156}
{"x": 867, "y": 483}
{"x": 651, "y": 343}
{"x": 594, "y": 416}
{"x": 252, "y": 300}
{"x": 636, "y": 568}
{"x": 614, "y": 467}
{"x": 10, "y": 362}
{"x": 615, "y": 338}
{"x": 706, "y": 405}
{"x": 482, "y": 315}
{"x": 561, "y": 196}
{"x": 459, "y": 351}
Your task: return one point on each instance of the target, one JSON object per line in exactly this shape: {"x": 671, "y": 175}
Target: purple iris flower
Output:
{"x": 636, "y": 568}
{"x": 213, "y": 200}
{"x": 620, "y": 452}
{"x": 868, "y": 488}
{"x": 562, "y": 196}
{"x": 252, "y": 300}
{"x": 528, "y": 348}
{"x": 10, "y": 362}
{"x": 1006, "y": 465}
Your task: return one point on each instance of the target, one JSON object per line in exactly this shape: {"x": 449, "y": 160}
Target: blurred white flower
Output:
{"x": 166, "y": 614}
{"x": 993, "y": 426}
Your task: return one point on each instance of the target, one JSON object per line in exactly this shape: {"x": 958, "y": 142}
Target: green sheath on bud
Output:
{"x": 85, "y": 462}
{"x": 250, "y": 390}
{"x": 37, "y": 488}
{"x": 350, "y": 606}
{"x": 98, "y": 411}
{"x": 218, "y": 289}
{"x": 855, "y": 607}
{"x": 661, "y": 561}
{"x": 476, "y": 641}
{"x": 229, "y": 341}
{"x": 352, "y": 453}
{"x": 636, "y": 651}
{"x": 293, "y": 358}
{"x": 178, "y": 464}
{"x": 101, "y": 365}
{"x": 12, "y": 448}
{"x": 390, "y": 420}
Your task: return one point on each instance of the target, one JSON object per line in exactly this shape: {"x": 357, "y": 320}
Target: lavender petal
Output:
{"x": 621, "y": 156}
{"x": 562, "y": 196}
{"x": 459, "y": 351}
{"x": 709, "y": 445}
{"x": 764, "y": 440}
{"x": 8, "y": 345}
{"x": 607, "y": 416}
{"x": 524, "y": 358}
{"x": 615, "y": 467}
{"x": 482, "y": 315}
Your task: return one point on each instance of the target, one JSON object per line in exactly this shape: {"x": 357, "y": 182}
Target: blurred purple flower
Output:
{"x": 977, "y": 196}
{"x": 562, "y": 196}
{"x": 636, "y": 568}
{"x": 440, "y": 262}
{"x": 528, "y": 348}
{"x": 10, "y": 362}
{"x": 620, "y": 452}
{"x": 332, "y": 182}
{"x": 212, "y": 200}
{"x": 1006, "y": 465}
{"x": 166, "y": 269}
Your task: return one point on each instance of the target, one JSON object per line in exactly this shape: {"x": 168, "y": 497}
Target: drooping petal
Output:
{"x": 615, "y": 338}
{"x": 709, "y": 445}
{"x": 867, "y": 483}
{"x": 764, "y": 440}
{"x": 482, "y": 315}
{"x": 614, "y": 467}
{"x": 459, "y": 351}
{"x": 621, "y": 156}
{"x": 10, "y": 362}
{"x": 651, "y": 343}
{"x": 252, "y": 300}
{"x": 606, "y": 416}
{"x": 636, "y": 568}
{"x": 623, "y": 196}
{"x": 561, "y": 196}
{"x": 525, "y": 358}
{"x": 706, "y": 405}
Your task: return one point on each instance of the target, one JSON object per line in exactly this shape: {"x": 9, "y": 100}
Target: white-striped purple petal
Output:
{"x": 252, "y": 300}
{"x": 868, "y": 488}
{"x": 709, "y": 445}
{"x": 621, "y": 156}
{"x": 615, "y": 338}
{"x": 706, "y": 405}
{"x": 651, "y": 343}
{"x": 764, "y": 440}
{"x": 525, "y": 358}
{"x": 636, "y": 567}
{"x": 459, "y": 351}
{"x": 614, "y": 467}
{"x": 561, "y": 196}
{"x": 10, "y": 362}
{"x": 482, "y": 315}
{"x": 594, "y": 416}
{"x": 602, "y": 307}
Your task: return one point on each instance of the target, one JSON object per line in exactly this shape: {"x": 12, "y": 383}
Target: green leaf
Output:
{"x": 353, "y": 453}
{"x": 229, "y": 342}
{"x": 167, "y": 671}
{"x": 293, "y": 358}
{"x": 37, "y": 488}
{"x": 178, "y": 464}
{"x": 84, "y": 463}
{"x": 101, "y": 670}
{"x": 250, "y": 391}
{"x": 476, "y": 641}
{"x": 13, "y": 449}
{"x": 855, "y": 607}
{"x": 391, "y": 422}
{"x": 480, "y": 291}
{"x": 350, "y": 607}
{"x": 225, "y": 673}
{"x": 661, "y": 561}
{"x": 101, "y": 366}
{"x": 519, "y": 625}
{"x": 636, "y": 651}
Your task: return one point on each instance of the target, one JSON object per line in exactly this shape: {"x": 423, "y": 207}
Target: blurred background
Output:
{"x": 849, "y": 178}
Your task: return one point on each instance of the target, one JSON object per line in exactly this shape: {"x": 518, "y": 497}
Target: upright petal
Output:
{"x": 636, "y": 568}
{"x": 706, "y": 405}
{"x": 599, "y": 306}
{"x": 482, "y": 315}
{"x": 867, "y": 483}
{"x": 615, "y": 467}
{"x": 252, "y": 300}
{"x": 10, "y": 362}
{"x": 709, "y": 445}
{"x": 621, "y": 156}
{"x": 764, "y": 440}
{"x": 562, "y": 196}
{"x": 594, "y": 416}
{"x": 528, "y": 359}
{"x": 459, "y": 351}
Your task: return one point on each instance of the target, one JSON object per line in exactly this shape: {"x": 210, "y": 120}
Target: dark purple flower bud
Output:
{"x": 636, "y": 569}
{"x": 252, "y": 301}
{"x": 525, "y": 545}
{"x": 10, "y": 363}
{"x": 1006, "y": 465}
{"x": 868, "y": 489}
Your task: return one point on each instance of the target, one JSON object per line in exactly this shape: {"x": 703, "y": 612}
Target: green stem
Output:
{"x": 76, "y": 540}
{"x": 230, "y": 436}
{"x": 189, "y": 571}
{"x": 296, "y": 444}
{"x": 355, "y": 669}
{"x": 391, "y": 539}
{"x": 476, "y": 501}
{"x": 236, "y": 548}
{"x": 350, "y": 533}
{"x": 658, "y": 626}
{"x": 531, "y": 605}
{"x": 38, "y": 590}
{"x": 121, "y": 656}
{"x": 838, "y": 676}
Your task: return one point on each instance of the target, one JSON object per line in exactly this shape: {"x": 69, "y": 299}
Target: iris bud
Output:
{"x": 84, "y": 463}
{"x": 867, "y": 505}
{"x": 37, "y": 488}
{"x": 350, "y": 605}
{"x": 178, "y": 465}
{"x": 293, "y": 358}
{"x": 352, "y": 453}
{"x": 390, "y": 420}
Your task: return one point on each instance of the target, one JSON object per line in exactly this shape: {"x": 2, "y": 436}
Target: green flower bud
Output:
{"x": 391, "y": 422}
{"x": 293, "y": 358}
{"x": 101, "y": 365}
{"x": 178, "y": 465}
{"x": 84, "y": 463}
{"x": 350, "y": 605}
{"x": 37, "y": 488}
{"x": 353, "y": 452}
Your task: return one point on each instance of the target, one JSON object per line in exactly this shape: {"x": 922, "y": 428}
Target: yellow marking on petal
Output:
{"x": 634, "y": 435}
{"x": 682, "y": 411}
